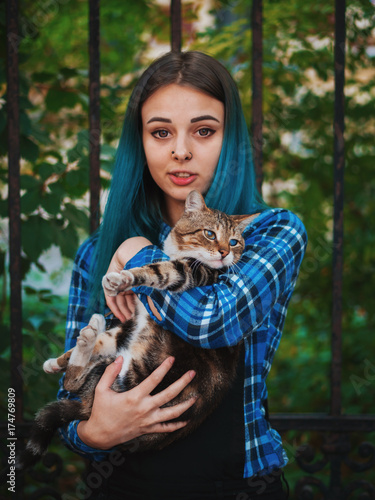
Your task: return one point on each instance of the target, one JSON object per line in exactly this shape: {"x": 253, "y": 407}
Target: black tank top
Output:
{"x": 206, "y": 464}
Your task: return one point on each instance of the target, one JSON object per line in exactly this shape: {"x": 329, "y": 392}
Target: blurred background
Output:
{"x": 298, "y": 105}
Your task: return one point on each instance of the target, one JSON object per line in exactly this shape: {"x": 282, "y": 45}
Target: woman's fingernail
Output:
{"x": 192, "y": 373}
{"x": 119, "y": 360}
{"x": 171, "y": 360}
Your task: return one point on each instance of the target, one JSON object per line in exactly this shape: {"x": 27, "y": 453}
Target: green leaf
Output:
{"x": 43, "y": 76}
{"x": 76, "y": 182}
{"x": 29, "y": 150}
{"x": 29, "y": 182}
{"x": 36, "y": 236}
{"x": 39, "y": 134}
{"x": 25, "y": 124}
{"x": 78, "y": 152}
{"x": 77, "y": 217}
{"x": 107, "y": 150}
{"x": 30, "y": 201}
{"x": 57, "y": 188}
{"x": 60, "y": 98}
{"x": 84, "y": 164}
{"x": 24, "y": 103}
{"x": 68, "y": 72}
{"x": 51, "y": 203}
{"x": 67, "y": 240}
{"x": 3, "y": 119}
{"x": 2, "y": 262}
{"x": 45, "y": 170}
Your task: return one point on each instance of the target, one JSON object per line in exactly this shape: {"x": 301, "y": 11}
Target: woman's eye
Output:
{"x": 209, "y": 234}
{"x": 233, "y": 243}
{"x": 205, "y": 132}
{"x": 160, "y": 134}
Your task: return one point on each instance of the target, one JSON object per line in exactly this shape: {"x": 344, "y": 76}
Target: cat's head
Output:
{"x": 209, "y": 236}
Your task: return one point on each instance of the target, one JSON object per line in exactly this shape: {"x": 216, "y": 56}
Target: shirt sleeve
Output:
{"x": 222, "y": 314}
{"x": 76, "y": 319}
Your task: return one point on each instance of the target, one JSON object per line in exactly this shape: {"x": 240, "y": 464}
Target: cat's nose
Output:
{"x": 223, "y": 253}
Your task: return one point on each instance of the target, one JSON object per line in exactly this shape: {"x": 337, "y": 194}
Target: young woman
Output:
{"x": 184, "y": 129}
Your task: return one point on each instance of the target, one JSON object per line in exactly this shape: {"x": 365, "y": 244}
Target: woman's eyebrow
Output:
{"x": 204, "y": 117}
{"x": 159, "y": 119}
{"x": 193, "y": 120}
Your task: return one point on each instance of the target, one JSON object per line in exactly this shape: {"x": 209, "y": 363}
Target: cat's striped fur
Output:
{"x": 202, "y": 245}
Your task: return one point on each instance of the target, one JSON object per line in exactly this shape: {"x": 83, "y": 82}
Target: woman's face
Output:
{"x": 190, "y": 124}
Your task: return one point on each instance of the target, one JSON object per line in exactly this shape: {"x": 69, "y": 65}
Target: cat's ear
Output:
{"x": 194, "y": 202}
{"x": 244, "y": 220}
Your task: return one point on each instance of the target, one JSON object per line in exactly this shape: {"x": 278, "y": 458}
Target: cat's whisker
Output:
{"x": 236, "y": 268}
{"x": 233, "y": 269}
{"x": 195, "y": 265}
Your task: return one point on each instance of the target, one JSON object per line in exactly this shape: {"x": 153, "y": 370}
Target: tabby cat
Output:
{"x": 202, "y": 245}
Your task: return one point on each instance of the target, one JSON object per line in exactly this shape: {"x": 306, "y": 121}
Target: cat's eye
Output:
{"x": 209, "y": 234}
{"x": 233, "y": 243}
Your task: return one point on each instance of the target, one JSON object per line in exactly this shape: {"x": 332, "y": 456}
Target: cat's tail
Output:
{"x": 47, "y": 421}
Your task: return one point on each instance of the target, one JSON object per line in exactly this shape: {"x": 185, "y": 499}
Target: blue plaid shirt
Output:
{"x": 248, "y": 305}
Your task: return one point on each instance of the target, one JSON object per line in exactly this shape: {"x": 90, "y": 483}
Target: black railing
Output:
{"x": 94, "y": 113}
{"x": 334, "y": 428}
{"x": 14, "y": 201}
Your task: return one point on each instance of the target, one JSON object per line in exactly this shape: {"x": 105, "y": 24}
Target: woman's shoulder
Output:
{"x": 275, "y": 220}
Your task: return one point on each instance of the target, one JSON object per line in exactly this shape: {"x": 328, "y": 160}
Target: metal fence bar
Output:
{"x": 257, "y": 89}
{"x": 322, "y": 422}
{"x": 14, "y": 205}
{"x": 176, "y": 23}
{"x": 338, "y": 227}
{"x": 94, "y": 112}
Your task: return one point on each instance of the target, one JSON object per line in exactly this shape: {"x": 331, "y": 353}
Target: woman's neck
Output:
{"x": 172, "y": 210}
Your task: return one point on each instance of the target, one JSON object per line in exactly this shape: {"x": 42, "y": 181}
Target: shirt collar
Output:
{"x": 164, "y": 231}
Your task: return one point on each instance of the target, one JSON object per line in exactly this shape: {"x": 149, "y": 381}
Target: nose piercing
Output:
{"x": 186, "y": 157}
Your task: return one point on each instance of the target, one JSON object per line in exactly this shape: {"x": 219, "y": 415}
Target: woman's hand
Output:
{"x": 119, "y": 417}
{"x": 123, "y": 305}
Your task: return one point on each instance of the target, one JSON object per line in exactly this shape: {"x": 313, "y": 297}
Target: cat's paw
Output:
{"x": 97, "y": 323}
{"x": 87, "y": 336}
{"x": 113, "y": 283}
{"x": 51, "y": 366}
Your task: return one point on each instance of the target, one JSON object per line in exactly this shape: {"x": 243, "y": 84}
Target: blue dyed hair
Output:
{"x": 134, "y": 203}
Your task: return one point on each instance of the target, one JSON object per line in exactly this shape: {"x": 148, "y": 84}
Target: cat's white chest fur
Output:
{"x": 128, "y": 353}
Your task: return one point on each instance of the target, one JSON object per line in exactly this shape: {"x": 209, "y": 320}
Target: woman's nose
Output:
{"x": 182, "y": 155}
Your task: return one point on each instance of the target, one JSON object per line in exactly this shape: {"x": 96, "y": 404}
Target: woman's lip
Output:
{"x": 182, "y": 181}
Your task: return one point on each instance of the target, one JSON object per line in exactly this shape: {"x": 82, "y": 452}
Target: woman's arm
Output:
{"x": 222, "y": 314}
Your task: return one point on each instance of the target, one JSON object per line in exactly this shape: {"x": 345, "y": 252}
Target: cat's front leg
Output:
{"x": 172, "y": 275}
{"x": 149, "y": 275}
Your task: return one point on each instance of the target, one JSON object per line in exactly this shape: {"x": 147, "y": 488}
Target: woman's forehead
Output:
{"x": 170, "y": 101}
